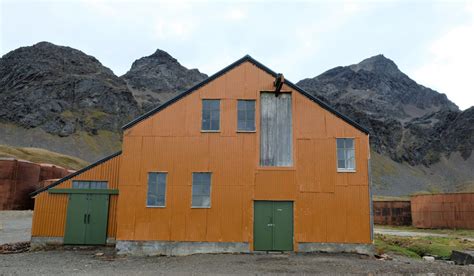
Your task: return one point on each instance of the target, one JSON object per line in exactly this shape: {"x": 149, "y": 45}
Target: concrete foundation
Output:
{"x": 360, "y": 248}
{"x": 152, "y": 248}
{"x": 41, "y": 242}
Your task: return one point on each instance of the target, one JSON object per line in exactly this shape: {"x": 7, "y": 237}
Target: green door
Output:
{"x": 76, "y": 219}
{"x": 283, "y": 225}
{"x": 273, "y": 225}
{"x": 96, "y": 229}
{"x": 86, "y": 221}
{"x": 263, "y": 219}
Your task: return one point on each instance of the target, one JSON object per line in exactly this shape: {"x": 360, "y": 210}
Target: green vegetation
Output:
{"x": 454, "y": 233}
{"x": 38, "y": 155}
{"x": 416, "y": 247}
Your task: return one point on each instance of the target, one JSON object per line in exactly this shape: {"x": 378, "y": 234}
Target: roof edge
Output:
{"x": 228, "y": 68}
{"x": 67, "y": 177}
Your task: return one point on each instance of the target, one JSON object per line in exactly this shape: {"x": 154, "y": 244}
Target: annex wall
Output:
{"x": 49, "y": 216}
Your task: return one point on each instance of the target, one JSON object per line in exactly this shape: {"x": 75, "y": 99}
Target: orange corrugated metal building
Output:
{"x": 223, "y": 130}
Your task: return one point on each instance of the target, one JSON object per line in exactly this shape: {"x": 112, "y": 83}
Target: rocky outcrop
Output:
{"x": 61, "y": 99}
{"x": 158, "y": 77}
{"x": 62, "y": 91}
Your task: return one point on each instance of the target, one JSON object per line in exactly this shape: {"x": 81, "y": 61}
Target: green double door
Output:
{"x": 273, "y": 225}
{"x": 86, "y": 221}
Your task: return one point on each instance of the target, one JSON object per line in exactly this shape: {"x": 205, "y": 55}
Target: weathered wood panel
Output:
{"x": 276, "y": 130}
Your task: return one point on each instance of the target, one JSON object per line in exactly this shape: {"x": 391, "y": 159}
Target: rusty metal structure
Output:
{"x": 18, "y": 178}
{"x": 392, "y": 212}
{"x": 454, "y": 211}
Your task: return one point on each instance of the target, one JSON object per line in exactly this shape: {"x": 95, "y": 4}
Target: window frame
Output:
{"x": 254, "y": 115}
{"x": 210, "y": 191}
{"x": 166, "y": 189}
{"x": 81, "y": 180}
{"x": 346, "y": 170}
{"x": 210, "y": 124}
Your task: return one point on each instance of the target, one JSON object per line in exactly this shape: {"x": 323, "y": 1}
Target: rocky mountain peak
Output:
{"x": 161, "y": 56}
{"x": 376, "y": 94}
{"x": 62, "y": 91}
{"x": 48, "y": 58}
{"x": 156, "y": 78}
{"x": 378, "y": 64}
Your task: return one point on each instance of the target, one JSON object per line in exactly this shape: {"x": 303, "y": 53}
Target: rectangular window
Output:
{"x": 156, "y": 195}
{"x": 201, "y": 190}
{"x": 210, "y": 115}
{"x": 246, "y": 115}
{"x": 86, "y": 184}
{"x": 345, "y": 154}
{"x": 276, "y": 130}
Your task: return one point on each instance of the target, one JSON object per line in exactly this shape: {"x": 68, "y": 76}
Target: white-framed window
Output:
{"x": 345, "y": 155}
{"x": 88, "y": 184}
{"x": 156, "y": 194}
{"x": 210, "y": 115}
{"x": 201, "y": 192}
{"x": 246, "y": 115}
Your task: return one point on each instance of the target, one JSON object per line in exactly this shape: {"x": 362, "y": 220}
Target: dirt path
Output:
{"x": 15, "y": 226}
{"x": 407, "y": 233}
{"x": 87, "y": 262}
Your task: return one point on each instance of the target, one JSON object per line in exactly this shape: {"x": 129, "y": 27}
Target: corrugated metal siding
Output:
{"x": 392, "y": 212}
{"x": 443, "y": 211}
{"x": 49, "y": 216}
{"x": 328, "y": 206}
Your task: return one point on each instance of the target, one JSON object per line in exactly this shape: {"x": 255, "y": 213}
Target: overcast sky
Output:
{"x": 433, "y": 42}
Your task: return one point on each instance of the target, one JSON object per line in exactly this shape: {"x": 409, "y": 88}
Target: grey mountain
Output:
{"x": 158, "y": 77}
{"x": 408, "y": 122}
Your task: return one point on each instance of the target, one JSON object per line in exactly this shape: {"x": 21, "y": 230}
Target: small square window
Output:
{"x": 345, "y": 154}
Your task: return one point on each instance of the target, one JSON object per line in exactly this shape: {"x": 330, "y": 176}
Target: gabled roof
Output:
{"x": 75, "y": 173}
{"x": 227, "y": 69}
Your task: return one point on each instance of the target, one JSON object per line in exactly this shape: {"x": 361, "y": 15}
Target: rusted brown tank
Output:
{"x": 443, "y": 211}
{"x": 50, "y": 171}
{"x": 44, "y": 183}
{"x": 18, "y": 178}
{"x": 392, "y": 212}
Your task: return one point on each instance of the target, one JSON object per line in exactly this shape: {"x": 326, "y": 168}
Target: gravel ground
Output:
{"x": 15, "y": 226}
{"x": 103, "y": 261}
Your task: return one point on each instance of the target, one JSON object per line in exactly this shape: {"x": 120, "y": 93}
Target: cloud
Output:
{"x": 451, "y": 61}
{"x": 236, "y": 14}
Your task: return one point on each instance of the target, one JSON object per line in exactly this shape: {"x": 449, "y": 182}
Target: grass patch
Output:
{"x": 417, "y": 247}
{"x": 454, "y": 233}
{"x": 38, "y": 155}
